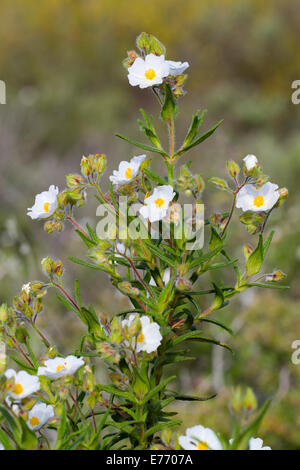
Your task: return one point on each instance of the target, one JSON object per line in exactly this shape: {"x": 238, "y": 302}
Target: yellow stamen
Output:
{"x": 202, "y": 446}
{"x": 46, "y": 206}
{"x": 159, "y": 202}
{"x": 128, "y": 173}
{"x": 150, "y": 74}
{"x": 141, "y": 338}
{"x": 34, "y": 421}
{"x": 258, "y": 201}
{"x": 60, "y": 367}
{"x": 17, "y": 389}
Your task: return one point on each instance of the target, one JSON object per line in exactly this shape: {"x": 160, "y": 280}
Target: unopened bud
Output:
{"x": 250, "y": 402}
{"x": 3, "y": 312}
{"x": 51, "y": 227}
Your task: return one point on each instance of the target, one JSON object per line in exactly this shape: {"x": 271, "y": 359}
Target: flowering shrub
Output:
{"x": 159, "y": 274}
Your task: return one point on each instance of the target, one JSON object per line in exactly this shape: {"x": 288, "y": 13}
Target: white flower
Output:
{"x": 149, "y": 71}
{"x": 1, "y": 446}
{"x": 156, "y": 206}
{"x": 177, "y": 68}
{"x": 257, "y": 444}
{"x": 166, "y": 277}
{"x": 39, "y": 414}
{"x": 25, "y": 384}
{"x": 200, "y": 438}
{"x": 262, "y": 199}
{"x": 149, "y": 338}
{"x": 26, "y": 288}
{"x": 60, "y": 366}
{"x": 45, "y": 204}
{"x": 250, "y": 162}
{"x": 127, "y": 170}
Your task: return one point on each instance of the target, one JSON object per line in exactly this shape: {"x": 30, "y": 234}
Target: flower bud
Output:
{"x": 3, "y": 312}
{"x": 232, "y": 168}
{"x": 248, "y": 250}
{"x": 48, "y": 265}
{"x": 74, "y": 180}
{"x": 276, "y": 276}
{"x": 21, "y": 334}
{"x": 58, "y": 268}
{"x": 100, "y": 162}
{"x": 51, "y": 227}
{"x": 86, "y": 167}
{"x": 183, "y": 284}
{"x": 249, "y": 402}
{"x": 128, "y": 289}
{"x": 283, "y": 194}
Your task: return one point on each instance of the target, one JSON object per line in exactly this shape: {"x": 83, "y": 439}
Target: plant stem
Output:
{"x": 76, "y": 225}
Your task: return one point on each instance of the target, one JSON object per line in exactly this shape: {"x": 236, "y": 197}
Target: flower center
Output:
{"x": 128, "y": 173}
{"x": 17, "y": 389}
{"x": 141, "y": 338}
{"x": 258, "y": 201}
{"x": 159, "y": 202}
{"x": 150, "y": 74}
{"x": 46, "y": 206}
{"x": 60, "y": 367}
{"x": 34, "y": 421}
{"x": 202, "y": 446}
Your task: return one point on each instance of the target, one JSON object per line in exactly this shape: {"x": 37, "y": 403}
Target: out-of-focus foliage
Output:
{"x": 66, "y": 96}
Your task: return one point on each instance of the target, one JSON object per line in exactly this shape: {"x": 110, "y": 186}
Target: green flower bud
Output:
{"x": 232, "y": 168}
{"x": 51, "y": 227}
{"x": 86, "y": 167}
{"x": 48, "y": 265}
{"x": 3, "y": 312}
{"x": 128, "y": 289}
{"x": 276, "y": 276}
{"x": 100, "y": 162}
{"x": 236, "y": 399}
{"x": 21, "y": 334}
{"x": 250, "y": 402}
{"x": 74, "y": 180}
{"x": 248, "y": 250}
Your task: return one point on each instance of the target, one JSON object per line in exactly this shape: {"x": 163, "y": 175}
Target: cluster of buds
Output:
{"x": 29, "y": 302}
{"x": 92, "y": 165}
{"x": 54, "y": 269}
{"x": 243, "y": 401}
{"x": 190, "y": 183}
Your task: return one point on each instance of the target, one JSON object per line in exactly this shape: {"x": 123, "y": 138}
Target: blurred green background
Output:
{"x": 67, "y": 93}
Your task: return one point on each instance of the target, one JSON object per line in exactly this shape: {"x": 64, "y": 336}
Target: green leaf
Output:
{"x": 255, "y": 260}
{"x": 156, "y": 178}
{"x": 62, "y": 430}
{"x": 157, "y": 389}
{"x": 199, "y": 140}
{"x": 161, "y": 426}
{"x": 194, "y": 127}
{"x": 28, "y": 439}
{"x": 13, "y": 423}
{"x": 215, "y": 239}
{"x": 220, "y": 183}
{"x": 169, "y": 109}
{"x": 181, "y": 397}
{"x": 197, "y": 335}
{"x": 119, "y": 393}
{"x": 5, "y": 441}
{"x": 202, "y": 259}
{"x": 218, "y": 323}
{"x": 160, "y": 254}
{"x": 143, "y": 146}
{"x": 89, "y": 243}
{"x": 268, "y": 243}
